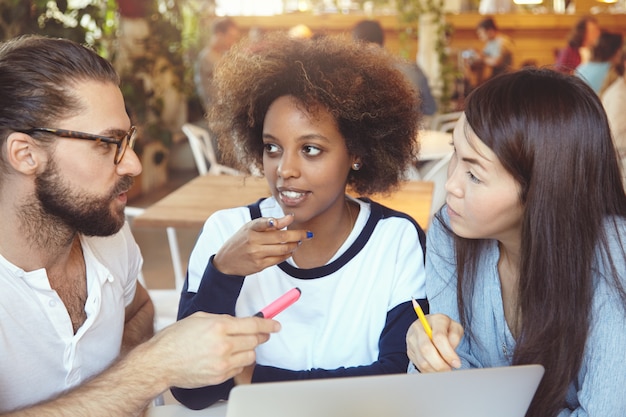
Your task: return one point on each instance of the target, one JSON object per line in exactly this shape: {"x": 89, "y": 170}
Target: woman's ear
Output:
{"x": 22, "y": 153}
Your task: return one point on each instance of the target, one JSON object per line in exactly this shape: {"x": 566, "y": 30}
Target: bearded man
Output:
{"x": 76, "y": 335}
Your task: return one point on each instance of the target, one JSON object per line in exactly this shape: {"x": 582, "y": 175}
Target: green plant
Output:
{"x": 164, "y": 55}
{"x": 174, "y": 33}
{"x": 88, "y": 23}
{"x": 410, "y": 12}
{"x": 138, "y": 65}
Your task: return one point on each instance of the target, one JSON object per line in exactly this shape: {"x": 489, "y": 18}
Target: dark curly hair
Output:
{"x": 375, "y": 109}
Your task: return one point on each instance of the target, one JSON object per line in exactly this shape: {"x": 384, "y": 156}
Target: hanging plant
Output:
{"x": 155, "y": 74}
{"x": 86, "y": 23}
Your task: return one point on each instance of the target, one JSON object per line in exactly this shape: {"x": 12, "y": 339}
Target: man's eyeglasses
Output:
{"x": 122, "y": 144}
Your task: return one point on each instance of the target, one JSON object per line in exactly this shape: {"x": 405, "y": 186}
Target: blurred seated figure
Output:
{"x": 224, "y": 34}
{"x": 584, "y": 36}
{"x": 371, "y": 32}
{"x": 495, "y": 58}
{"x": 605, "y": 55}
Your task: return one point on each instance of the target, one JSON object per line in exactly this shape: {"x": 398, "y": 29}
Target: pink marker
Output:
{"x": 280, "y": 304}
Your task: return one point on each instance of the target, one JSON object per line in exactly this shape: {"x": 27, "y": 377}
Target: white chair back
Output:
{"x": 443, "y": 121}
{"x": 448, "y": 126}
{"x": 165, "y": 300}
{"x": 202, "y": 148}
{"x": 438, "y": 174}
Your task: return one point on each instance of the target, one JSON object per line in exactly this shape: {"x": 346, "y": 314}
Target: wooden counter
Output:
{"x": 397, "y": 39}
{"x": 537, "y": 36}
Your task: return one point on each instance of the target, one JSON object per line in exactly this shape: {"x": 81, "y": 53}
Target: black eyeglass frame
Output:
{"x": 122, "y": 144}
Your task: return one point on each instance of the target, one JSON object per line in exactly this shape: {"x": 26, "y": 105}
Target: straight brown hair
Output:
{"x": 551, "y": 134}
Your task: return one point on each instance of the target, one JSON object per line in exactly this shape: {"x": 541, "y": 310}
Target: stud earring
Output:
{"x": 356, "y": 166}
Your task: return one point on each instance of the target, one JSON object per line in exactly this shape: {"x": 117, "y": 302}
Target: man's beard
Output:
{"x": 79, "y": 212}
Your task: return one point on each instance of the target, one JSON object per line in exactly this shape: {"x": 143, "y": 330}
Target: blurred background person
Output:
{"x": 605, "y": 55}
{"x": 371, "y": 32}
{"x": 496, "y": 56}
{"x": 224, "y": 34}
{"x": 583, "y": 37}
{"x": 614, "y": 102}
{"x": 497, "y": 52}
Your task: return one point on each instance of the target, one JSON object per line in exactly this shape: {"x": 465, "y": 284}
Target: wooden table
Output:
{"x": 190, "y": 205}
{"x": 413, "y": 198}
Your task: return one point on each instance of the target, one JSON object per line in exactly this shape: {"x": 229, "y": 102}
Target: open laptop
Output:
{"x": 487, "y": 392}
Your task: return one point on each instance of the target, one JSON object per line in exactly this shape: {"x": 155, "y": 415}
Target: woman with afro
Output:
{"x": 316, "y": 117}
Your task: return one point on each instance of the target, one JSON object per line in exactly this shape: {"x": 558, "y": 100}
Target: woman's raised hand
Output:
{"x": 258, "y": 244}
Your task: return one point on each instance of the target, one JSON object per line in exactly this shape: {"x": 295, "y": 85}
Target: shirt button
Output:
{"x": 52, "y": 303}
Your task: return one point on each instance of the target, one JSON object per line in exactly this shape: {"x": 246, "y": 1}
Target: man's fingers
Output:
{"x": 249, "y": 325}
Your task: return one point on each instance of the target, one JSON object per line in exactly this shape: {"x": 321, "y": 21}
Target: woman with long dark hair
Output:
{"x": 526, "y": 262}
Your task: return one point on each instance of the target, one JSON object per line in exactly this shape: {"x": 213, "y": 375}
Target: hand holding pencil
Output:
{"x": 431, "y": 341}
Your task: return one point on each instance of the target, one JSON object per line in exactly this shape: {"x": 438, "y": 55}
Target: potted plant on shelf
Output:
{"x": 147, "y": 41}
{"x": 150, "y": 58}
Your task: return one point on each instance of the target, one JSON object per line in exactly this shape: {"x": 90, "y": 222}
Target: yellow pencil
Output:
{"x": 422, "y": 317}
